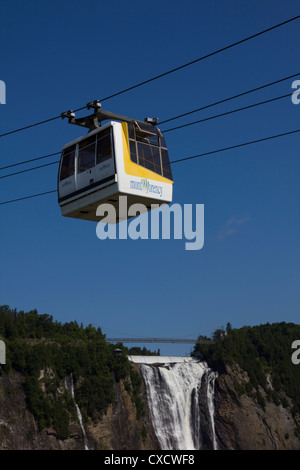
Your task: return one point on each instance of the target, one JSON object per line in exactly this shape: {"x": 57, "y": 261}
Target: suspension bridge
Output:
{"x": 156, "y": 340}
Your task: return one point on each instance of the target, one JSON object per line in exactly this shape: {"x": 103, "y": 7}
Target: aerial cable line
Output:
{"x": 176, "y": 69}
{"x": 228, "y": 99}
{"x": 235, "y": 146}
{"x": 31, "y": 160}
{"x": 28, "y": 169}
{"x": 204, "y": 57}
{"x": 28, "y": 197}
{"x": 176, "y": 161}
{"x": 227, "y": 112}
{"x": 181, "y": 115}
{"x": 167, "y": 130}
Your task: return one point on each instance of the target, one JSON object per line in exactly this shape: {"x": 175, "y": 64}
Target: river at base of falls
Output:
{"x": 181, "y": 402}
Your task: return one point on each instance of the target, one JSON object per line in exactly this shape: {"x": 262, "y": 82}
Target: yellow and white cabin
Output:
{"x": 118, "y": 158}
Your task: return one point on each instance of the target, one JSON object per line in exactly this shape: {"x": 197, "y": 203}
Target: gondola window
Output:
{"x": 86, "y": 156}
{"x": 104, "y": 149}
{"x": 68, "y": 163}
{"x": 148, "y": 149}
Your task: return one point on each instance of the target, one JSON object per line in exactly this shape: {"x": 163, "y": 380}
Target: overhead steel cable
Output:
{"x": 218, "y": 51}
{"x": 28, "y": 169}
{"x": 185, "y": 114}
{"x": 235, "y": 146}
{"x": 176, "y": 69}
{"x": 227, "y": 113}
{"x": 177, "y": 161}
{"x": 230, "y": 98}
{"x": 28, "y": 197}
{"x": 164, "y": 131}
{"x": 29, "y": 161}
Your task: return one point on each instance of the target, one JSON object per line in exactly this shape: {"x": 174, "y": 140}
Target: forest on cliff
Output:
{"x": 264, "y": 352}
{"x": 36, "y": 343}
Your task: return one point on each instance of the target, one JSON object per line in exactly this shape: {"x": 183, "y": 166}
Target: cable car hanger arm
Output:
{"x": 92, "y": 121}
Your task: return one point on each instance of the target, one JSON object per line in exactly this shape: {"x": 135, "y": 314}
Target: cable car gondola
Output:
{"x": 123, "y": 157}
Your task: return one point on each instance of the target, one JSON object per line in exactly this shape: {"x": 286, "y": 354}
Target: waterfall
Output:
{"x": 82, "y": 427}
{"x": 210, "y": 400}
{"x": 181, "y": 401}
{"x": 79, "y": 415}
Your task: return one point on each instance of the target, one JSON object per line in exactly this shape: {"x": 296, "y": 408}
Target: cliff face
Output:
{"x": 241, "y": 423}
{"x": 118, "y": 428}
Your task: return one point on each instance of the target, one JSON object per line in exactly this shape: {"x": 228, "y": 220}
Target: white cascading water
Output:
{"x": 176, "y": 393}
{"x": 210, "y": 401}
{"x": 79, "y": 415}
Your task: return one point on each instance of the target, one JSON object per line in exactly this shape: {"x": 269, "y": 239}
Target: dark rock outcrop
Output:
{"x": 242, "y": 424}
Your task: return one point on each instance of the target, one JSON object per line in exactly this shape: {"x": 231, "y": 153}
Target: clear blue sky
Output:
{"x": 60, "y": 55}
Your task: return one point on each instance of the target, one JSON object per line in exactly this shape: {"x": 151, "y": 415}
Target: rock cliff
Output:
{"x": 240, "y": 422}
{"x": 243, "y": 424}
{"x": 118, "y": 428}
